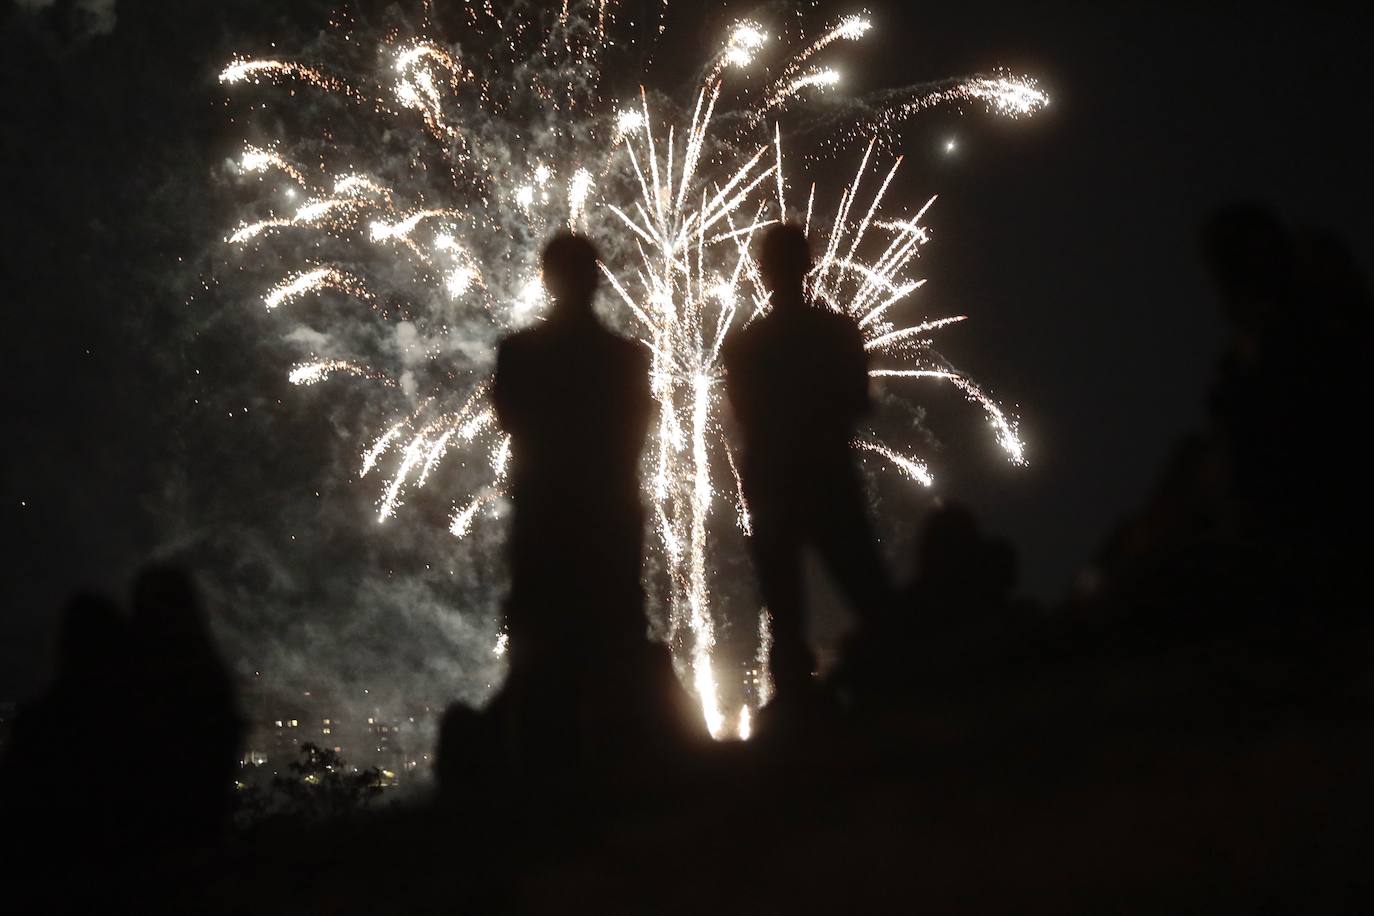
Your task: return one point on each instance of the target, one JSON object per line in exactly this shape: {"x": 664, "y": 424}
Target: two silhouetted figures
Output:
{"x": 136, "y": 744}
{"x": 575, "y": 399}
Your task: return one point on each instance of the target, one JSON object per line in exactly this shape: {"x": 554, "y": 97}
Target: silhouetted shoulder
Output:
{"x": 509, "y": 356}
{"x": 518, "y": 344}
{"x": 740, "y": 345}
{"x": 844, "y": 327}
{"x": 631, "y": 351}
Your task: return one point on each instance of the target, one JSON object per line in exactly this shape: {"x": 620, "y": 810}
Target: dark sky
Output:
{"x": 1071, "y": 240}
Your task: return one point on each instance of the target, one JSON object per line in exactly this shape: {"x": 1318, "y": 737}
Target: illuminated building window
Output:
{"x": 279, "y": 723}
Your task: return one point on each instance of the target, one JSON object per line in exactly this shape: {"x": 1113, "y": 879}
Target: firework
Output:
{"x": 451, "y": 222}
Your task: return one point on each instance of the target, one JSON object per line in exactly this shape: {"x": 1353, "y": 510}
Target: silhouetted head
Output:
{"x": 91, "y": 637}
{"x": 784, "y": 257}
{"x": 1254, "y": 263}
{"x": 957, "y": 560}
{"x": 570, "y": 271}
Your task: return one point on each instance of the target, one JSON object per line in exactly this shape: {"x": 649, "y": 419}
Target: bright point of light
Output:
{"x": 409, "y": 56}
{"x": 629, "y": 121}
{"x": 747, "y": 35}
{"x": 951, "y": 145}
{"x": 458, "y": 280}
{"x": 542, "y": 174}
{"x": 746, "y": 39}
{"x": 525, "y": 196}
{"x": 825, "y": 77}
{"x": 255, "y": 160}
{"x": 853, "y": 27}
{"x": 578, "y": 189}
{"x": 241, "y": 70}
{"x": 530, "y": 297}
{"x": 311, "y": 373}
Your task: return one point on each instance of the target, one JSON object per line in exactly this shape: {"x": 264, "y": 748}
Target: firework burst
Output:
{"x": 442, "y": 166}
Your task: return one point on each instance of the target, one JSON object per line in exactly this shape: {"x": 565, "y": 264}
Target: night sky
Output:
{"x": 1070, "y": 238}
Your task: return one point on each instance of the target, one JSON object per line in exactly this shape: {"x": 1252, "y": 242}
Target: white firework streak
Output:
{"x": 311, "y": 281}
{"x": 911, "y": 467}
{"x": 688, "y": 197}
{"x": 312, "y": 373}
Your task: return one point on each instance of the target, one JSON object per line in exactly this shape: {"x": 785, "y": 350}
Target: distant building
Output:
{"x": 362, "y": 735}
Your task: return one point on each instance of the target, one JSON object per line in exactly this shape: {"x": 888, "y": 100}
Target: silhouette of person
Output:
{"x": 574, "y": 398}
{"x": 961, "y": 600}
{"x": 1251, "y": 543}
{"x": 67, "y": 774}
{"x": 963, "y": 572}
{"x": 797, "y": 380}
{"x": 1294, "y": 371}
{"x": 1293, "y": 378}
{"x": 188, "y": 718}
